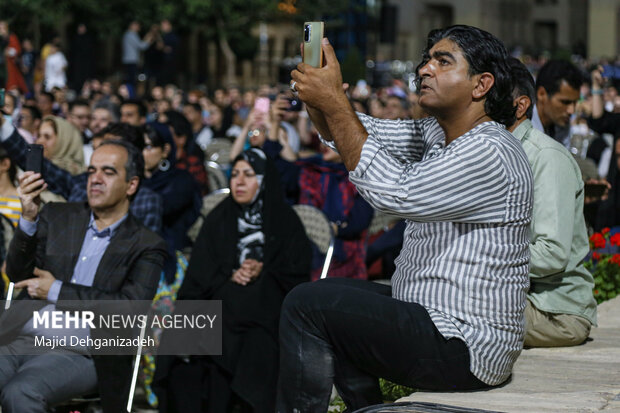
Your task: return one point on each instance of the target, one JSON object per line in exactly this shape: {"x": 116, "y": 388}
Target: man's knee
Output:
{"x": 554, "y": 330}
{"x": 311, "y": 296}
{"x": 306, "y": 302}
{"x": 21, "y": 396}
{"x": 297, "y": 298}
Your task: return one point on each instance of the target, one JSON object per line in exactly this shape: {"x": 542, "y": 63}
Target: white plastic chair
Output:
{"x": 215, "y": 175}
{"x": 319, "y": 230}
{"x": 209, "y": 202}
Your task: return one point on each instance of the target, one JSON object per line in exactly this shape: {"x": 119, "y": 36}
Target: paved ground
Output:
{"x": 585, "y": 378}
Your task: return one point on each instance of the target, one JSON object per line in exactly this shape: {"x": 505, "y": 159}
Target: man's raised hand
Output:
{"x": 31, "y": 185}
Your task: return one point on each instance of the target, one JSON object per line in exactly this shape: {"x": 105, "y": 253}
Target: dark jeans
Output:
{"x": 350, "y": 332}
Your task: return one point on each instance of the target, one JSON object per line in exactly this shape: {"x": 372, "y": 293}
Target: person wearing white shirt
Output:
{"x": 55, "y": 68}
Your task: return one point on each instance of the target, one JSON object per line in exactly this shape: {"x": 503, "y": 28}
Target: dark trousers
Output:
{"x": 200, "y": 386}
{"x": 32, "y": 383}
{"x": 350, "y": 332}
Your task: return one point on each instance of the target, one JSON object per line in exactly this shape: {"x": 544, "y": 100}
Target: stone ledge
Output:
{"x": 585, "y": 378}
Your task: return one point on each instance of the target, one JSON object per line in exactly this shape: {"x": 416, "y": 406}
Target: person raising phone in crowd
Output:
{"x": 607, "y": 212}
{"x": 465, "y": 187}
{"x": 264, "y": 120}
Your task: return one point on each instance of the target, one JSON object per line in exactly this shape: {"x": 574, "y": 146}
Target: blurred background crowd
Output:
{"x": 63, "y": 90}
{"x": 194, "y": 84}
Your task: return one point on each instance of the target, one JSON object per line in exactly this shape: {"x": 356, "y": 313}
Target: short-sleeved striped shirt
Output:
{"x": 465, "y": 253}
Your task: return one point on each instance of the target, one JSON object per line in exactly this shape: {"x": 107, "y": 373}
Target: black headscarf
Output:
{"x": 251, "y": 239}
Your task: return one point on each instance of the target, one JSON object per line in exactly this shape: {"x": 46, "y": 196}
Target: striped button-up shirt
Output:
{"x": 465, "y": 253}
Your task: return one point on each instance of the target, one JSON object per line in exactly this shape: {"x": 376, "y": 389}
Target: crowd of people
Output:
{"x": 487, "y": 167}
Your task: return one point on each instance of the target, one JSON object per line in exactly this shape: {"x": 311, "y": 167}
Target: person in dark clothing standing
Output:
{"x": 82, "y": 57}
{"x": 170, "y": 51}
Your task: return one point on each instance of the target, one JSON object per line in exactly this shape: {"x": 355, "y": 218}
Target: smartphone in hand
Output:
{"x": 594, "y": 190}
{"x": 34, "y": 158}
{"x": 261, "y": 105}
{"x": 313, "y": 35}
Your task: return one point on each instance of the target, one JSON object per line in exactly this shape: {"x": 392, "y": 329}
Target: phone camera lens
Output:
{"x": 307, "y": 33}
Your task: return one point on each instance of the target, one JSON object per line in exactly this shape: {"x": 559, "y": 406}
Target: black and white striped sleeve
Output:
{"x": 460, "y": 183}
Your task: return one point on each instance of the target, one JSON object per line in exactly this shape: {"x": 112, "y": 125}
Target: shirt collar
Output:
{"x": 536, "y": 122}
{"x": 522, "y": 129}
{"x": 109, "y": 231}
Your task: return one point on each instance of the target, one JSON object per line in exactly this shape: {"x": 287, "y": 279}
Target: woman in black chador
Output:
{"x": 251, "y": 251}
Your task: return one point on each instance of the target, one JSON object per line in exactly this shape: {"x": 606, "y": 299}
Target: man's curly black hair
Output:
{"x": 484, "y": 53}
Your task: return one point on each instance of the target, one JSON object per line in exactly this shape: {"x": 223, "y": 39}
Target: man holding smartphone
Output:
{"x": 454, "y": 317}
{"x": 147, "y": 205}
{"x": 119, "y": 259}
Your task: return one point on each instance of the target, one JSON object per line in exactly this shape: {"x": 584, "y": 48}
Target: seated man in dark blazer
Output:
{"x": 76, "y": 251}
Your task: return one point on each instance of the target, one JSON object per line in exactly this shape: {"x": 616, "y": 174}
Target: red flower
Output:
{"x": 615, "y": 239}
{"x": 597, "y": 240}
{"x": 604, "y": 230}
{"x": 595, "y": 292}
{"x": 615, "y": 259}
{"x": 596, "y": 256}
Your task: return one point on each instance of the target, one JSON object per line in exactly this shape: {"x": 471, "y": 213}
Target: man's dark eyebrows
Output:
{"x": 106, "y": 168}
{"x": 440, "y": 53}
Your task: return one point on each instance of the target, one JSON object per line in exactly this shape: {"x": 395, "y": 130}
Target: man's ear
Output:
{"x": 133, "y": 186}
{"x": 484, "y": 83}
{"x": 541, "y": 94}
{"x": 522, "y": 103}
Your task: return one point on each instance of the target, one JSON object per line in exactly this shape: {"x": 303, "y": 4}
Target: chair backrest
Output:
{"x": 219, "y": 151}
{"x": 381, "y": 221}
{"x": 217, "y": 177}
{"x": 319, "y": 230}
{"x": 209, "y": 202}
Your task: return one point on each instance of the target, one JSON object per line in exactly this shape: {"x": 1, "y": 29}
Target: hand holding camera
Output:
{"x": 597, "y": 77}
{"x": 596, "y": 190}
{"x": 278, "y": 108}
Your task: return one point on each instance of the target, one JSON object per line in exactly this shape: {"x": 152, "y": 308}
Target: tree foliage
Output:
{"x": 228, "y": 22}
{"x": 110, "y": 17}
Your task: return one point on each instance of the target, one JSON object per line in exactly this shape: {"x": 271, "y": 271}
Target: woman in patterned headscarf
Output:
{"x": 251, "y": 251}
{"x": 62, "y": 144}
